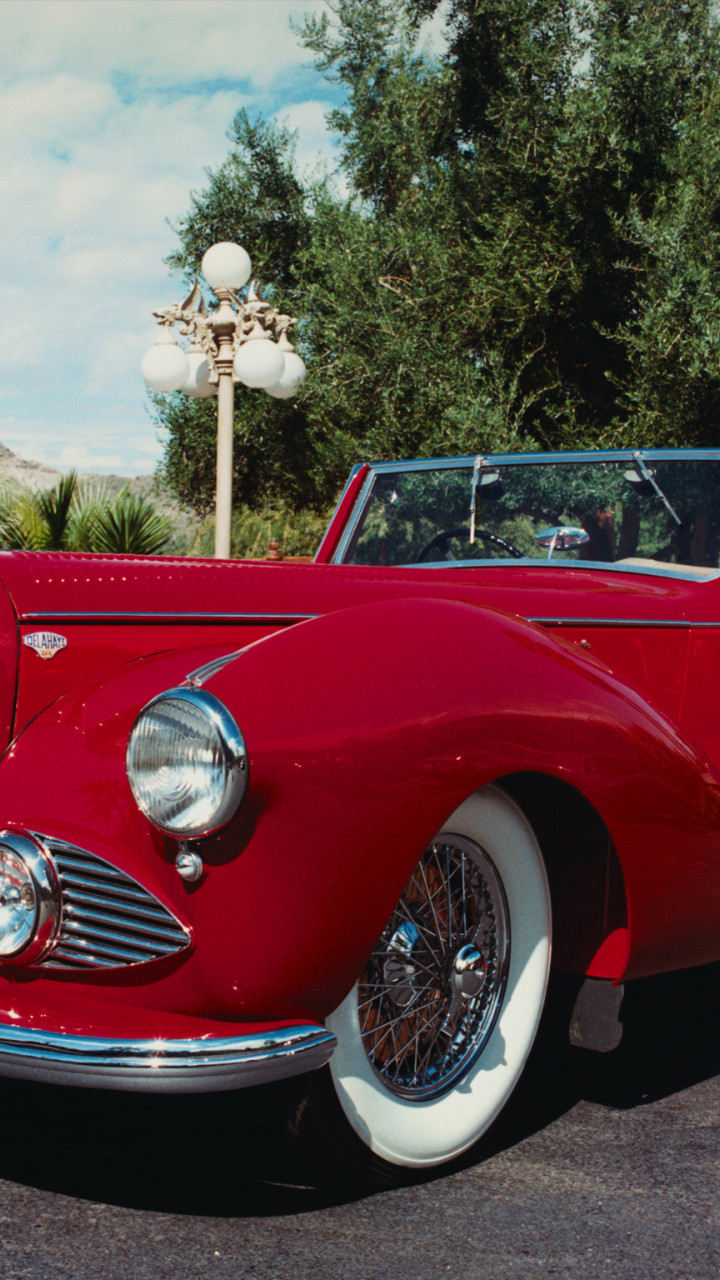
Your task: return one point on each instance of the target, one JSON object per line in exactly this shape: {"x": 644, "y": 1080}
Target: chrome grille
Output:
{"x": 108, "y": 919}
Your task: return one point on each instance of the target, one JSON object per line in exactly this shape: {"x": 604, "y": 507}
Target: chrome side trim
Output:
{"x": 683, "y": 624}
{"x": 67, "y": 616}
{"x": 202, "y": 1065}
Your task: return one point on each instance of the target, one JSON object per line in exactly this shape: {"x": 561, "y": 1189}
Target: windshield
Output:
{"x": 641, "y": 510}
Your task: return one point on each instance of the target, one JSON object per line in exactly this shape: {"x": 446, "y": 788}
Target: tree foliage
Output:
{"x": 522, "y": 251}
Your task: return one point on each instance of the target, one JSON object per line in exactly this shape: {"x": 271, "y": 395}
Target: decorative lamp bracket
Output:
{"x": 253, "y": 318}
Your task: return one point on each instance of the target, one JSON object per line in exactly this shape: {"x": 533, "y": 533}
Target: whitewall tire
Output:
{"x": 434, "y": 1036}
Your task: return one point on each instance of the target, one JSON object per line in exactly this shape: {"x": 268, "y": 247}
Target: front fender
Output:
{"x": 365, "y": 728}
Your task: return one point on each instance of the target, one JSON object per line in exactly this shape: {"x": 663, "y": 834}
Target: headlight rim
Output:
{"x": 234, "y": 752}
{"x": 48, "y": 903}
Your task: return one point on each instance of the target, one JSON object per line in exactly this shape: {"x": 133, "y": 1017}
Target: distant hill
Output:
{"x": 33, "y": 475}
{"x": 36, "y": 475}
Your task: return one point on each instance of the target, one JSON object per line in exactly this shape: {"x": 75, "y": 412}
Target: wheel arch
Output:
{"x": 587, "y": 884}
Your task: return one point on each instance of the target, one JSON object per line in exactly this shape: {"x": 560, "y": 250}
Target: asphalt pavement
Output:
{"x": 607, "y": 1166}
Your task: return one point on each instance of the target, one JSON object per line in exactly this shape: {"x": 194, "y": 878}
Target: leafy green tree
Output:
{"x": 522, "y": 252}
{"x": 297, "y": 532}
{"x": 673, "y": 337}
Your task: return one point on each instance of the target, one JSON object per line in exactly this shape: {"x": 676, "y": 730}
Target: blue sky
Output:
{"x": 110, "y": 112}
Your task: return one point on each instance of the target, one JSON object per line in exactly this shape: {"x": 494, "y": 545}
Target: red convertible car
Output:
{"x": 341, "y": 818}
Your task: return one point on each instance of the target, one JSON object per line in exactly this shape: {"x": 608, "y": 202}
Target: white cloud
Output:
{"x": 84, "y": 446}
{"x": 81, "y": 458}
{"x": 110, "y": 112}
{"x": 156, "y": 44}
{"x": 44, "y": 110}
{"x": 314, "y": 144}
{"x": 433, "y": 35}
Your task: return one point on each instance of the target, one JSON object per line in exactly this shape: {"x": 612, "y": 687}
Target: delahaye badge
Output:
{"x": 45, "y": 643}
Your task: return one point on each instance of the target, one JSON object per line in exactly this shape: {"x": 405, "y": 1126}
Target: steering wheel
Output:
{"x": 442, "y": 539}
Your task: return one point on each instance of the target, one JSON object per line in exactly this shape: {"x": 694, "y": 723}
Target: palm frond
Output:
{"x": 131, "y": 524}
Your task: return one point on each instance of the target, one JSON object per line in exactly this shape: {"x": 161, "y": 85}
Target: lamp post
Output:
{"x": 232, "y": 343}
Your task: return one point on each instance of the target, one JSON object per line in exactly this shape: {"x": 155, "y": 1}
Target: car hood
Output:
{"x": 67, "y": 618}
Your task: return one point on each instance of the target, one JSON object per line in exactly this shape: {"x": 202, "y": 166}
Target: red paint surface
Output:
{"x": 334, "y": 531}
{"x": 366, "y": 727}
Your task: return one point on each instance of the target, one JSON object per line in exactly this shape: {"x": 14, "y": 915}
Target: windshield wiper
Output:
{"x": 488, "y": 480}
{"x": 649, "y": 477}
{"x": 479, "y": 464}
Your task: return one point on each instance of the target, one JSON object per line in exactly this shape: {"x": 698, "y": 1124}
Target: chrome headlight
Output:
{"x": 29, "y": 899}
{"x": 187, "y": 763}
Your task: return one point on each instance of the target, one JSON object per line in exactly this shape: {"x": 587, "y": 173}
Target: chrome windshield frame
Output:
{"x": 504, "y": 459}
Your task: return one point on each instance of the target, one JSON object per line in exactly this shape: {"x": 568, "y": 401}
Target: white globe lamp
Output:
{"x": 293, "y": 375}
{"x": 259, "y": 363}
{"x": 165, "y": 366}
{"x": 226, "y": 266}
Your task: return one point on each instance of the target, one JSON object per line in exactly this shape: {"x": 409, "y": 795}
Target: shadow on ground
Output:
{"x": 225, "y": 1154}
{"x": 670, "y": 1041}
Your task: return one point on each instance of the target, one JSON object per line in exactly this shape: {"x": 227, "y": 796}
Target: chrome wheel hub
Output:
{"x": 468, "y": 972}
{"x": 433, "y": 987}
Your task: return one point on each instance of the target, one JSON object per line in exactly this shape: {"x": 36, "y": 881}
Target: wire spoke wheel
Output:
{"x": 432, "y": 988}
{"x": 435, "y": 1034}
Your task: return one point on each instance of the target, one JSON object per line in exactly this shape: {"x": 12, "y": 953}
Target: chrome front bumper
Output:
{"x": 204, "y": 1065}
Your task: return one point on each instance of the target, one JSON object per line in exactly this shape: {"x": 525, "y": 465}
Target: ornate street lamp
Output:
{"x": 233, "y": 343}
